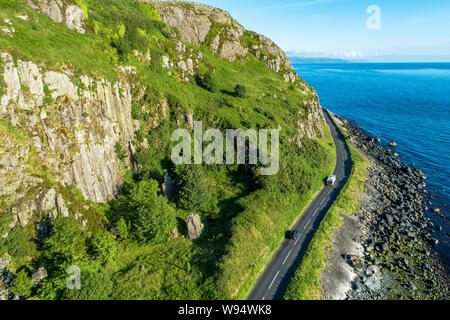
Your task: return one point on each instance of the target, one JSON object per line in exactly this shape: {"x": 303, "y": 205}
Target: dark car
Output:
{"x": 293, "y": 235}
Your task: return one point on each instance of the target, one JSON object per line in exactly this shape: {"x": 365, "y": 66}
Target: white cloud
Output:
{"x": 353, "y": 54}
{"x": 349, "y": 55}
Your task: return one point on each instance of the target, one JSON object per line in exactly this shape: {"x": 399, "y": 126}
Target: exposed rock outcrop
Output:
{"x": 60, "y": 11}
{"x": 75, "y": 132}
{"x": 204, "y": 25}
{"x": 194, "y": 226}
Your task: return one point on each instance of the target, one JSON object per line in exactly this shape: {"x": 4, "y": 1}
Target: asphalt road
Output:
{"x": 275, "y": 279}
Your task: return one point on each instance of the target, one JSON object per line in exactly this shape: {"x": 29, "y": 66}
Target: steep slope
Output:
{"x": 90, "y": 93}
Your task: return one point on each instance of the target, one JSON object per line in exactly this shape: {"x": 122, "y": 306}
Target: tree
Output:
{"x": 22, "y": 284}
{"x": 207, "y": 82}
{"x": 193, "y": 190}
{"x": 122, "y": 229}
{"x": 153, "y": 217}
{"x": 240, "y": 91}
{"x": 66, "y": 243}
{"x": 104, "y": 246}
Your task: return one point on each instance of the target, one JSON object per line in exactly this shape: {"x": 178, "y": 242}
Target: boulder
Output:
{"x": 194, "y": 226}
{"x": 74, "y": 18}
{"x": 48, "y": 202}
{"x": 174, "y": 233}
{"x": 38, "y": 276}
{"x": 393, "y": 144}
{"x": 4, "y": 260}
{"x": 60, "y": 204}
{"x": 52, "y": 10}
{"x": 167, "y": 186}
{"x": 189, "y": 119}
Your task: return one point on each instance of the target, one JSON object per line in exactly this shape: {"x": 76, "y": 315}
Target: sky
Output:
{"x": 409, "y": 30}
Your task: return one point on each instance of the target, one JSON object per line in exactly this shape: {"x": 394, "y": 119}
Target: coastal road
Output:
{"x": 275, "y": 279}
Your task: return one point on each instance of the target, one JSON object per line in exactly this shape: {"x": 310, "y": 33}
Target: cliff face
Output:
{"x": 73, "y": 129}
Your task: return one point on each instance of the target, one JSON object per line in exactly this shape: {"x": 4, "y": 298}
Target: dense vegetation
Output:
{"x": 129, "y": 253}
{"x": 304, "y": 284}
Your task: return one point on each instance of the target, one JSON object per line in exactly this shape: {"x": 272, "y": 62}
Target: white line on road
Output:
{"x": 307, "y": 224}
{"x": 299, "y": 236}
{"x": 315, "y": 212}
{"x": 287, "y": 257}
{"x": 274, "y": 279}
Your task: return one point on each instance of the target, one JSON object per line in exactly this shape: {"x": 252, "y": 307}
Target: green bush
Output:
{"x": 148, "y": 11}
{"x": 18, "y": 244}
{"x": 207, "y": 82}
{"x": 6, "y": 218}
{"x": 151, "y": 216}
{"x": 120, "y": 151}
{"x": 135, "y": 111}
{"x": 66, "y": 243}
{"x": 193, "y": 189}
{"x": 104, "y": 246}
{"x": 22, "y": 284}
{"x": 122, "y": 228}
{"x": 240, "y": 91}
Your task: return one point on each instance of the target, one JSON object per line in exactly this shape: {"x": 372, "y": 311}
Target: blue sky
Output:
{"x": 411, "y": 30}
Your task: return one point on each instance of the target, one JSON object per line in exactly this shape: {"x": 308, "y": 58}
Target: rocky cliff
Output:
{"x": 214, "y": 28}
{"x": 72, "y": 124}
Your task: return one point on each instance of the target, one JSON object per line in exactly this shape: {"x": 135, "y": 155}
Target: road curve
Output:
{"x": 274, "y": 281}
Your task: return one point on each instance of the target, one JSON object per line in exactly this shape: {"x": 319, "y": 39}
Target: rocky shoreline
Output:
{"x": 386, "y": 250}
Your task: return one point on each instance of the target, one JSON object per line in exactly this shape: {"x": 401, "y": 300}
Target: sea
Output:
{"x": 404, "y": 102}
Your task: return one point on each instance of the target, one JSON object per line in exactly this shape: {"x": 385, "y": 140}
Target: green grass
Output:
{"x": 305, "y": 284}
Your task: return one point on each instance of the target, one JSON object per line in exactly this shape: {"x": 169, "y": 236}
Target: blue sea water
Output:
{"x": 405, "y": 102}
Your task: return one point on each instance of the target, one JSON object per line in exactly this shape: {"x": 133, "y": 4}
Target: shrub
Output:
{"x": 66, "y": 243}
{"x": 18, "y": 243}
{"x": 22, "y": 284}
{"x": 193, "y": 190}
{"x": 152, "y": 217}
{"x": 122, "y": 229}
{"x": 104, "y": 246}
{"x": 148, "y": 11}
{"x": 6, "y": 218}
{"x": 120, "y": 151}
{"x": 135, "y": 111}
{"x": 240, "y": 91}
{"x": 207, "y": 82}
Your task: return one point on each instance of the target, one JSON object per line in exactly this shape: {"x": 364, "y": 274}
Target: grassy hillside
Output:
{"x": 245, "y": 214}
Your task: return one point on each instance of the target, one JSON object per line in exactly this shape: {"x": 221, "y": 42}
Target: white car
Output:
{"x": 331, "y": 181}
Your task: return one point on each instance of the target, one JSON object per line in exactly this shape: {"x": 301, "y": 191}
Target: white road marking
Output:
{"x": 299, "y": 236}
{"x": 274, "y": 279}
{"x": 315, "y": 212}
{"x": 263, "y": 298}
{"x": 323, "y": 200}
{"x": 287, "y": 257}
{"x": 307, "y": 224}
